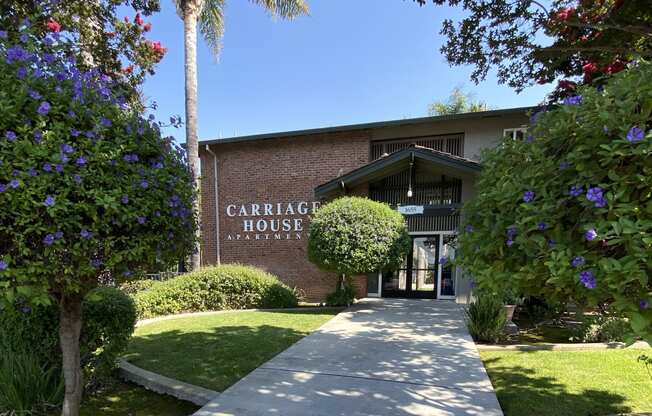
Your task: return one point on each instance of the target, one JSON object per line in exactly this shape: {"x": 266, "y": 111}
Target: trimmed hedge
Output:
{"x": 109, "y": 320}
{"x": 215, "y": 288}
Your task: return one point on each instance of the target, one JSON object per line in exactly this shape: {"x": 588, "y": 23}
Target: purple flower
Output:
{"x": 574, "y": 100}
{"x": 125, "y": 199}
{"x": 528, "y": 196}
{"x": 58, "y": 235}
{"x": 529, "y": 138}
{"x": 542, "y": 226}
{"x": 32, "y": 172}
{"x": 96, "y": 263}
{"x": 577, "y": 261}
{"x": 3, "y": 187}
{"x": 14, "y": 183}
{"x": 105, "y": 122}
{"x": 3, "y": 34}
{"x": 49, "y": 201}
{"x": 3, "y": 265}
{"x": 552, "y": 243}
{"x": 47, "y": 167}
{"x": 576, "y": 190}
{"x": 509, "y": 242}
{"x": 34, "y": 94}
{"x": 588, "y": 279}
{"x": 643, "y": 304}
{"x": 84, "y": 233}
{"x": 469, "y": 228}
{"x": 77, "y": 179}
{"x": 17, "y": 54}
{"x": 594, "y": 194}
{"x": 38, "y": 136}
{"x": 64, "y": 158}
{"x": 59, "y": 168}
{"x": 141, "y": 220}
{"x": 81, "y": 161}
{"x": 144, "y": 184}
{"x": 601, "y": 203}
{"x": 74, "y": 132}
{"x": 591, "y": 234}
{"x": 564, "y": 165}
{"x": 157, "y": 213}
{"x": 44, "y": 108}
{"x": 10, "y": 135}
{"x": 48, "y": 239}
{"x": 635, "y": 134}
{"x": 67, "y": 148}
{"x": 443, "y": 260}
{"x": 22, "y": 72}
{"x": 130, "y": 157}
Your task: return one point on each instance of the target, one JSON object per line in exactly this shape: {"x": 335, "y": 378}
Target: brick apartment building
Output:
{"x": 258, "y": 193}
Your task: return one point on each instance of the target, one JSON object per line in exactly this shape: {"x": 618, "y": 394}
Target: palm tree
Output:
{"x": 209, "y": 14}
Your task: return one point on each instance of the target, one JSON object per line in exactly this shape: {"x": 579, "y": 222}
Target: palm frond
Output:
{"x": 211, "y": 24}
{"x": 286, "y": 9}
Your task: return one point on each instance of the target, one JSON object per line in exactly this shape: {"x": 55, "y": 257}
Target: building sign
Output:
{"x": 410, "y": 209}
{"x": 270, "y": 221}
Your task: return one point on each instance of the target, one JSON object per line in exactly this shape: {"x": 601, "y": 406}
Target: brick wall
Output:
{"x": 280, "y": 170}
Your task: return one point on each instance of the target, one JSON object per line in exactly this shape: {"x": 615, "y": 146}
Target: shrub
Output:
{"x": 109, "y": 320}
{"x": 486, "y": 318}
{"x": 343, "y": 295}
{"x": 215, "y": 288}
{"x": 353, "y": 235}
{"x": 566, "y": 214}
{"x": 602, "y": 328}
{"x": 28, "y": 385}
{"x": 134, "y": 286}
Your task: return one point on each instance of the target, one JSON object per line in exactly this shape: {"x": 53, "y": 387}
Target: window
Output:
{"x": 517, "y": 133}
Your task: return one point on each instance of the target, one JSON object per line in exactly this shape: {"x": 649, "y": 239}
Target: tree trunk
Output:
{"x": 191, "y": 13}
{"x": 70, "y": 323}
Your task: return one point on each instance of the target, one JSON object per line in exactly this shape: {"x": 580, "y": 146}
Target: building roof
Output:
{"x": 394, "y": 163}
{"x": 365, "y": 126}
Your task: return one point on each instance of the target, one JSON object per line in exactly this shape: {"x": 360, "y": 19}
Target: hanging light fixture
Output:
{"x": 409, "y": 192}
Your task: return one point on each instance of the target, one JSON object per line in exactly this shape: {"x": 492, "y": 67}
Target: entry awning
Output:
{"x": 395, "y": 163}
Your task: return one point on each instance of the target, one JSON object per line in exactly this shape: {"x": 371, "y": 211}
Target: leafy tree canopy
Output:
{"x": 567, "y": 213}
{"x": 354, "y": 235}
{"x": 531, "y": 41}
{"x": 458, "y": 102}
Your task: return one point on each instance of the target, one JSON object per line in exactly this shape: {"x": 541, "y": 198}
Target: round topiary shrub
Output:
{"x": 109, "y": 321}
{"x": 229, "y": 286}
{"x": 354, "y": 235}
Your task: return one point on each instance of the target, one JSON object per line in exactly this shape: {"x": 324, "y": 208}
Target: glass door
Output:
{"x": 418, "y": 276}
{"x": 447, "y": 272}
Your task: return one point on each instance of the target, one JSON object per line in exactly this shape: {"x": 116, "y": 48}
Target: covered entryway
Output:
{"x": 428, "y": 187}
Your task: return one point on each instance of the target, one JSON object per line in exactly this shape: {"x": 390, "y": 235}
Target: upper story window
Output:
{"x": 449, "y": 143}
{"x": 516, "y": 133}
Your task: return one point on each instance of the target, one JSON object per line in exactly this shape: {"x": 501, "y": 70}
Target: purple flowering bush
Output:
{"x": 74, "y": 155}
{"x": 568, "y": 216}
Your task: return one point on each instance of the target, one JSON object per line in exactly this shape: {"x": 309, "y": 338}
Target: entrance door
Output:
{"x": 417, "y": 276}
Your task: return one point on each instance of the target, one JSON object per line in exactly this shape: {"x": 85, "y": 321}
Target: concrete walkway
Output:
{"x": 381, "y": 357}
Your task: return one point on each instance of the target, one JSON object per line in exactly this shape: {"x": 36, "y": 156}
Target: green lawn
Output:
{"x": 215, "y": 351}
{"x": 569, "y": 383}
{"x": 123, "y": 399}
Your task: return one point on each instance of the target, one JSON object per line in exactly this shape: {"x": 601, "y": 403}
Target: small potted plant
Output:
{"x": 511, "y": 301}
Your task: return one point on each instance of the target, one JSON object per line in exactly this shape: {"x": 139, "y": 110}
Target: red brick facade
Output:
{"x": 273, "y": 171}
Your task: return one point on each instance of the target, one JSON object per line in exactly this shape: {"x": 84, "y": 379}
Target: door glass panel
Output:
{"x": 394, "y": 280}
{"x": 447, "y": 270}
{"x": 424, "y": 263}
{"x": 372, "y": 283}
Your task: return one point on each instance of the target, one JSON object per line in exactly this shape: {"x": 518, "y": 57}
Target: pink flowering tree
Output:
{"x": 90, "y": 191}
{"x": 567, "y": 213}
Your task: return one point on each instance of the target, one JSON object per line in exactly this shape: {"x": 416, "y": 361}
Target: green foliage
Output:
{"x": 567, "y": 213}
{"x": 90, "y": 190}
{"x": 215, "y": 288}
{"x": 458, "y": 102}
{"x": 134, "y": 286}
{"x": 109, "y": 320}
{"x": 27, "y": 386}
{"x": 116, "y": 46}
{"x": 531, "y": 41}
{"x": 602, "y": 328}
{"x": 486, "y": 318}
{"x": 353, "y": 235}
{"x": 343, "y": 295}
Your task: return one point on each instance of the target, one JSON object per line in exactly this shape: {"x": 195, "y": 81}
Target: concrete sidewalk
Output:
{"x": 381, "y": 357}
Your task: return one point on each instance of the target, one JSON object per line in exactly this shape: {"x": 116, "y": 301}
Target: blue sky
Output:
{"x": 350, "y": 61}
